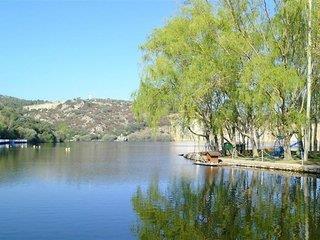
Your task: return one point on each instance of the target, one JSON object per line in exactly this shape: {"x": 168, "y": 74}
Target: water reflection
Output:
{"x": 230, "y": 204}
{"x": 91, "y": 193}
{"x": 48, "y": 193}
{"x": 90, "y": 162}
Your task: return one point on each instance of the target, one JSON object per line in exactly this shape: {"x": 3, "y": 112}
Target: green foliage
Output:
{"x": 108, "y": 138}
{"x": 182, "y": 72}
{"x": 13, "y": 102}
{"x": 64, "y": 132}
{"x": 274, "y": 91}
{"x": 13, "y": 124}
{"x": 238, "y": 66}
{"x": 88, "y": 137}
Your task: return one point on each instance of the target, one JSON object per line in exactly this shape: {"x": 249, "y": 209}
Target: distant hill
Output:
{"x": 77, "y": 120}
{"x": 88, "y": 119}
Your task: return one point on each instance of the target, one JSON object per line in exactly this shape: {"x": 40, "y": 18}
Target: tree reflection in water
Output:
{"x": 230, "y": 204}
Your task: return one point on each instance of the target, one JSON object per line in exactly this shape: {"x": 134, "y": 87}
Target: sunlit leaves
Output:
{"x": 181, "y": 69}
{"x": 234, "y": 64}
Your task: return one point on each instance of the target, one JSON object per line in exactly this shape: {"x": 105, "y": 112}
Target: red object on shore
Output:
{"x": 212, "y": 156}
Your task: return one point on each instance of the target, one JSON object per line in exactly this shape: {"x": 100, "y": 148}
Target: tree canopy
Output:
{"x": 231, "y": 67}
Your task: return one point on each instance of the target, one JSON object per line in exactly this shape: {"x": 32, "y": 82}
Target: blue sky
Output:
{"x": 58, "y": 50}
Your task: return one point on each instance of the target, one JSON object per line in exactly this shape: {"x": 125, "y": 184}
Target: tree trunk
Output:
{"x": 234, "y": 150}
{"x": 222, "y": 141}
{"x": 315, "y": 135}
{"x": 287, "y": 148}
{"x": 233, "y": 142}
{"x": 310, "y": 139}
{"x": 254, "y": 143}
{"x": 309, "y": 81}
{"x": 259, "y": 141}
{"x": 301, "y": 144}
{"x": 216, "y": 143}
{"x": 244, "y": 141}
{"x": 206, "y": 136}
{"x": 247, "y": 143}
{"x": 208, "y": 145}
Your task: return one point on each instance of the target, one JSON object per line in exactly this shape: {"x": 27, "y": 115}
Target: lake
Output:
{"x": 146, "y": 191}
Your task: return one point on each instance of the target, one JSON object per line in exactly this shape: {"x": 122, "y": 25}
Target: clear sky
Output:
{"x": 58, "y": 50}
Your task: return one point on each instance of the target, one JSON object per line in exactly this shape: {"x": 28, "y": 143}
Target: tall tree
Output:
{"x": 309, "y": 81}
{"x": 236, "y": 68}
{"x": 271, "y": 77}
{"x": 315, "y": 98}
{"x": 183, "y": 72}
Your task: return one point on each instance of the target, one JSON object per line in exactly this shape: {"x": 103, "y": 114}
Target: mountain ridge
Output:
{"x": 95, "y": 117}
{"x": 80, "y": 119}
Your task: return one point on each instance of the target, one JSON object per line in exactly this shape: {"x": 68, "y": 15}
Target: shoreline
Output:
{"x": 238, "y": 162}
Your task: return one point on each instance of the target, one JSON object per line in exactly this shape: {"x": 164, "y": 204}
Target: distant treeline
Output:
{"x": 13, "y": 102}
{"x": 13, "y": 125}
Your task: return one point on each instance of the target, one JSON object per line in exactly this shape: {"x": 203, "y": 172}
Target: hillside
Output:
{"x": 14, "y": 102}
{"x": 15, "y": 123}
{"x": 75, "y": 120}
{"x": 88, "y": 119}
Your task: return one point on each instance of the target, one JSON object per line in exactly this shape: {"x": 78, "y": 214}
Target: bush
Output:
{"x": 109, "y": 137}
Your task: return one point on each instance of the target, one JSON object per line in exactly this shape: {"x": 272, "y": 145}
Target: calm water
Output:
{"x": 144, "y": 190}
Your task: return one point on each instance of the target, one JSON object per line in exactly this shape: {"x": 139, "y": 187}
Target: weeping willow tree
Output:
{"x": 289, "y": 43}
{"x": 272, "y": 78}
{"x": 183, "y": 72}
{"x": 245, "y": 38}
{"x": 315, "y": 101}
{"x": 237, "y": 67}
